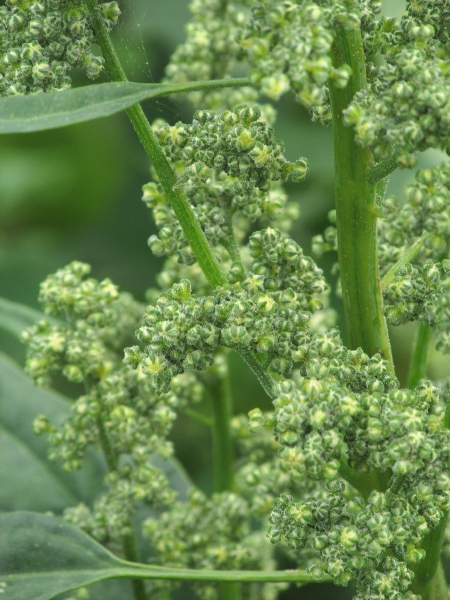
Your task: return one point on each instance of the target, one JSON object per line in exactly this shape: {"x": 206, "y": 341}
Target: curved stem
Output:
{"x": 356, "y": 211}
{"x": 419, "y": 359}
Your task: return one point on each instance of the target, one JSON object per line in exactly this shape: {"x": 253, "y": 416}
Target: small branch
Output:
{"x": 183, "y": 212}
{"x": 130, "y": 570}
{"x": 419, "y": 359}
{"x": 264, "y": 377}
{"x": 383, "y": 169}
{"x": 409, "y": 255}
{"x": 198, "y": 416}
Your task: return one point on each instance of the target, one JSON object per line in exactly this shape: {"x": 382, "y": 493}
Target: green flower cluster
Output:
{"x": 84, "y": 346}
{"x": 406, "y": 105}
{"x": 211, "y": 533}
{"x": 262, "y": 475}
{"x": 416, "y": 294}
{"x": 354, "y": 538}
{"x": 229, "y": 166}
{"x": 288, "y": 44}
{"x": 42, "y": 40}
{"x": 117, "y": 412}
{"x": 267, "y": 315}
{"x": 426, "y": 208}
{"x": 418, "y": 290}
{"x": 430, "y": 12}
{"x": 211, "y": 52}
{"x": 357, "y": 414}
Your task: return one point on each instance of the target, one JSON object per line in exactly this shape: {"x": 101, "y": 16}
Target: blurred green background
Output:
{"x": 75, "y": 193}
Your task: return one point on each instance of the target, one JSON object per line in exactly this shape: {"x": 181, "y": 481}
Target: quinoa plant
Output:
{"x": 347, "y": 477}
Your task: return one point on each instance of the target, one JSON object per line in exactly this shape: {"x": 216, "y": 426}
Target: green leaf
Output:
{"x": 15, "y": 317}
{"x": 42, "y": 556}
{"x": 36, "y": 112}
{"x": 28, "y": 480}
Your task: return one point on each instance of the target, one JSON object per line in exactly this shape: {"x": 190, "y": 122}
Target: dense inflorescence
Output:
{"x": 419, "y": 289}
{"x": 338, "y": 414}
{"x": 229, "y": 166}
{"x": 362, "y": 416}
{"x": 266, "y": 314}
{"x": 116, "y": 412}
{"x": 212, "y": 52}
{"x": 210, "y": 533}
{"x": 288, "y": 44}
{"x": 406, "y": 107}
{"x": 42, "y": 41}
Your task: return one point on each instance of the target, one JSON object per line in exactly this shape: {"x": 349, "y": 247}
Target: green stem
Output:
{"x": 356, "y": 211}
{"x": 130, "y": 570}
{"x": 129, "y": 545}
{"x": 385, "y": 168}
{"x": 222, "y": 407}
{"x": 409, "y": 255}
{"x": 364, "y": 482}
{"x": 418, "y": 365}
{"x": 198, "y": 416}
{"x": 264, "y": 377}
{"x": 166, "y": 176}
{"x": 429, "y": 578}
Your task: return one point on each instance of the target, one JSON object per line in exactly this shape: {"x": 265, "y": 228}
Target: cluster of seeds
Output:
{"x": 212, "y": 533}
{"x": 41, "y": 41}
{"x": 418, "y": 290}
{"x": 266, "y": 315}
{"x": 288, "y": 44}
{"x": 211, "y": 52}
{"x": 406, "y": 107}
{"x": 86, "y": 345}
{"x": 376, "y": 427}
{"x": 434, "y": 13}
{"x": 229, "y": 167}
{"x": 354, "y": 538}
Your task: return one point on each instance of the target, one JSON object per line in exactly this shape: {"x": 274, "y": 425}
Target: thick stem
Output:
{"x": 356, "y": 211}
{"x": 418, "y": 365}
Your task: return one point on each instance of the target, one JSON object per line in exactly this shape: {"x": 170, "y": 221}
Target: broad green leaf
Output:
{"x": 36, "y": 112}
{"x": 28, "y": 480}
{"x": 42, "y": 556}
{"x": 15, "y": 317}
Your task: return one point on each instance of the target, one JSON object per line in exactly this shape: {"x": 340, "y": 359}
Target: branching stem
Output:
{"x": 356, "y": 211}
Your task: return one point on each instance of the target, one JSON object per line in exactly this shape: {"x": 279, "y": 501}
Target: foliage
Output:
{"x": 349, "y": 467}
